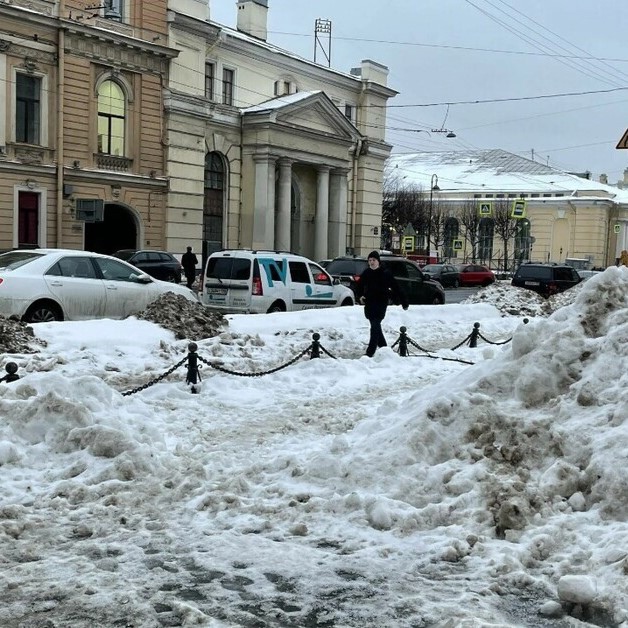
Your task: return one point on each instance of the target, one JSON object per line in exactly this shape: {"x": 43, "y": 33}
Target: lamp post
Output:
{"x": 433, "y": 186}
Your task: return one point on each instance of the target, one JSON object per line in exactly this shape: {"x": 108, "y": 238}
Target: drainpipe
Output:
{"x": 354, "y": 192}
{"x": 60, "y": 111}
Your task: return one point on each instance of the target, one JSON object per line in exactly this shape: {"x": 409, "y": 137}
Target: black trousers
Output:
{"x": 375, "y": 314}
{"x": 190, "y": 277}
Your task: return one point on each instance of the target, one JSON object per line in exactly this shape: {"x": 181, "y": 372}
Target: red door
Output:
{"x": 28, "y": 219}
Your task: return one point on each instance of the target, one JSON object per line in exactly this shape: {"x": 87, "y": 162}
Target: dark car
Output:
{"x": 158, "y": 264}
{"x": 446, "y": 274}
{"x": 546, "y": 279}
{"x": 419, "y": 289}
{"x": 475, "y": 275}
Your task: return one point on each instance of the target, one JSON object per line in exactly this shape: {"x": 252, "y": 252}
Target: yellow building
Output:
{"x": 557, "y": 216}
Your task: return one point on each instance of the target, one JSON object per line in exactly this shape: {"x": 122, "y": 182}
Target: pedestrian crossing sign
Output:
{"x": 457, "y": 245}
{"x": 518, "y": 209}
{"x": 486, "y": 208}
{"x": 408, "y": 243}
{"x": 617, "y": 228}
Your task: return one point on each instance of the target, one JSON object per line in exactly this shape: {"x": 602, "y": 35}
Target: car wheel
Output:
{"x": 437, "y": 300}
{"x": 277, "y": 306}
{"x": 346, "y": 302}
{"x": 456, "y": 284}
{"x": 171, "y": 277}
{"x": 43, "y": 312}
{"x": 488, "y": 282}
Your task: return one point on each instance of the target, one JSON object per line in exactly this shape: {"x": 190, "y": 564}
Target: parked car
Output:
{"x": 587, "y": 274}
{"x": 546, "y": 279}
{"x": 447, "y": 275}
{"x": 475, "y": 275}
{"x": 251, "y": 282}
{"x": 158, "y": 264}
{"x": 419, "y": 289}
{"x": 43, "y": 285}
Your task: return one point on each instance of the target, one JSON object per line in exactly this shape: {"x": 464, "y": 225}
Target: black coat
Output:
{"x": 378, "y": 287}
{"x": 189, "y": 262}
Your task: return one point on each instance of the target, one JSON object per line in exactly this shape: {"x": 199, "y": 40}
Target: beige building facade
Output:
{"x": 82, "y": 159}
{"x": 265, "y": 149}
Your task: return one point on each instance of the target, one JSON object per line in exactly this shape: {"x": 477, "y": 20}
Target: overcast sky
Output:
{"x": 441, "y": 51}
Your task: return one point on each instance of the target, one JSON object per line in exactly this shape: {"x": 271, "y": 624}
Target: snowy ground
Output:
{"x": 384, "y": 492}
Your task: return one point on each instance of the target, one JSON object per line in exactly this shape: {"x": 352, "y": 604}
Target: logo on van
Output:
{"x": 282, "y": 270}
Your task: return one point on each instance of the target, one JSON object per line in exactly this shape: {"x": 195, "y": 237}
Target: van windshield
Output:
{"x": 228, "y": 268}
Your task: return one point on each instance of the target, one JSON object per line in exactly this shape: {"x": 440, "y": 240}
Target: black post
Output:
{"x": 193, "y": 375}
{"x": 403, "y": 342}
{"x": 473, "y": 339}
{"x": 11, "y": 376}
{"x": 316, "y": 346}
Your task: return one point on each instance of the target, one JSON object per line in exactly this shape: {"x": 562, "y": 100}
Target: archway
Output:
{"x": 118, "y": 230}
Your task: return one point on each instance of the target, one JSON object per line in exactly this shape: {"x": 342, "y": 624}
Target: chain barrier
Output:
{"x": 157, "y": 379}
{"x": 259, "y": 373}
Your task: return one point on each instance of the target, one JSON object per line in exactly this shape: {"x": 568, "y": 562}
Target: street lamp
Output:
{"x": 433, "y": 186}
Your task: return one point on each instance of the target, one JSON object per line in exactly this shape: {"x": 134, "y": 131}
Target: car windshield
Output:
{"x": 434, "y": 268}
{"x": 15, "y": 259}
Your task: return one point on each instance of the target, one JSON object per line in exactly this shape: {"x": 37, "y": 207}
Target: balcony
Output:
{"x": 113, "y": 163}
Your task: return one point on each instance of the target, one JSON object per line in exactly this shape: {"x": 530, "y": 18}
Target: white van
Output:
{"x": 254, "y": 282}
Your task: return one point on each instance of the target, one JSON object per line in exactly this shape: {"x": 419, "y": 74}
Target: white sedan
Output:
{"x": 42, "y": 285}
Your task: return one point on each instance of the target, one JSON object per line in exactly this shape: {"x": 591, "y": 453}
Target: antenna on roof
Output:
{"x": 324, "y": 27}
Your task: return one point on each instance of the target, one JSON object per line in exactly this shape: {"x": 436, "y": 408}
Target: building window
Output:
{"x": 210, "y": 72}
{"x": 28, "y": 219}
{"x": 450, "y": 233}
{"x": 111, "y": 119}
{"x": 523, "y": 241}
{"x": 114, "y": 9}
{"x": 227, "y": 86}
{"x": 486, "y": 232}
{"x": 350, "y": 112}
{"x": 27, "y": 108}
{"x": 213, "y": 204}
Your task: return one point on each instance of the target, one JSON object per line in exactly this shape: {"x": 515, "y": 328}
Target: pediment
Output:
{"x": 311, "y": 112}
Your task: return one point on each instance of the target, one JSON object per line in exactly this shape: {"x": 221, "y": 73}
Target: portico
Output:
{"x": 318, "y": 164}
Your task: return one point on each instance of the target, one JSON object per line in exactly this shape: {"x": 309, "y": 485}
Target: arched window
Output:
{"x": 450, "y": 233}
{"x": 213, "y": 203}
{"x": 111, "y": 119}
{"x": 523, "y": 241}
{"x": 486, "y": 232}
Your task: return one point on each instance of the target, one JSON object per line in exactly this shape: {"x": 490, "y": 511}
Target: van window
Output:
{"x": 299, "y": 272}
{"x": 228, "y": 268}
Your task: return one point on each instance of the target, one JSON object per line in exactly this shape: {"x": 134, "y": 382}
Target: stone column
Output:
{"x": 269, "y": 236}
{"x": 260, "y": 208}
{"x": 337, "y": 231}
{"x": 284, "y": 216}
{"x": 321, "y": 219}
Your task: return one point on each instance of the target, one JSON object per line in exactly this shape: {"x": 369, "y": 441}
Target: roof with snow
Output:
{"x": 493, "y": 171}
{"x": 281, "y": 101}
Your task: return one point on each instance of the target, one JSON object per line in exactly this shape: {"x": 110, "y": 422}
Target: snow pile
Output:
{"x": 17, "y": 337}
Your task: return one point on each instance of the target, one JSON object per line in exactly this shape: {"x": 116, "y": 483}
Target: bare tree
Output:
{"x": 400, "y": 205}
{"x": 505, "y": 226}
{"x": 470, "y": 220}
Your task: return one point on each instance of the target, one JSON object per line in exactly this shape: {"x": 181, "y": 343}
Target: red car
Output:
{"x": 475, "y": 275}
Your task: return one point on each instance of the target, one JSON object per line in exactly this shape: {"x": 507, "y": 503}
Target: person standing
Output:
{"x": 189, "y": 262}
{"x": 375, "y": 288}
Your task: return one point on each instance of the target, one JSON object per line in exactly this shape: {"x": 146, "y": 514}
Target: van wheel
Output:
{"x": 346, "y": 302}
{"x": 277, "y": 306}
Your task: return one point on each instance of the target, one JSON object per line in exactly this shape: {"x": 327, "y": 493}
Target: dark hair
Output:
{"x": 374, "y": 255}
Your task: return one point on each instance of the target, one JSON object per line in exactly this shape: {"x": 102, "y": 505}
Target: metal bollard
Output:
{"x": 403, "y": 342}
{"x": 11, "y": 376}
{"x": 316, "y": 346}
{"x": 193, "y": 376}
{"x": 473, "y": 339}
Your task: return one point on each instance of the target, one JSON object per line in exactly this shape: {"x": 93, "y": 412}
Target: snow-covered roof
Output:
{"x": 493, "y": 171}
{"x": 279, "y": 102}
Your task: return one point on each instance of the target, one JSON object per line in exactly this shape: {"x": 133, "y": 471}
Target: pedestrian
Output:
{"x": 376, "y": 288}
{"x": 189, "y": 262}
{"x": 623, "y": 258}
